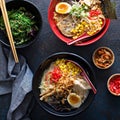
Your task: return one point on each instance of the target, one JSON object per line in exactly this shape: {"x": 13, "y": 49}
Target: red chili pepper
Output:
{"x": 94, "y": 13}
{"x": 54, "y": 75}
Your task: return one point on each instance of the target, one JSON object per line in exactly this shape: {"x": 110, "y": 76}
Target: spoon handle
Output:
{"x": 83, "y": 73}
{"x": 88, "y": 80}
{"x": 79, "y": 39}
{"x": 86, "y": 35}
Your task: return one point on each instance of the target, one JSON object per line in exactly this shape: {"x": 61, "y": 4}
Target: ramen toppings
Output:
{"x": 61, "y": 84}
{"x": 78, "y": 17}
{"x": 63, "y": 8}
{"x": 54, "y": 75}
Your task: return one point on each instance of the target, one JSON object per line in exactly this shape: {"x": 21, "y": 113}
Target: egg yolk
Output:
{"x": 74, "y": 99}
{"x": 63, "y": 8}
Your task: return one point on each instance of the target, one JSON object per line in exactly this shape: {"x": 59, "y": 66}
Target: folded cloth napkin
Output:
{"x": 15, "y": 79}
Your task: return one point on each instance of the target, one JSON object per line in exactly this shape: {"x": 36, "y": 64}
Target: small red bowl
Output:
{"x": 113, "y": 84}
{"x": 65, "y": 39}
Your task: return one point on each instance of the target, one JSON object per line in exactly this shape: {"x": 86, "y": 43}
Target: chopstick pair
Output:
{"x": 8, "y": 29}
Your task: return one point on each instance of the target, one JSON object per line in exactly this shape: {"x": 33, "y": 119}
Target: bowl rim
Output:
{"x": 35, "y": 38}
{"x": 107, "y": 48}
{"x": 66, "y": 39}
{"x": 112, "y": 76}
{"x": 71, "y": 113}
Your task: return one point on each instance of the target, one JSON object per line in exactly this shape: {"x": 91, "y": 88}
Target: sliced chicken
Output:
{"x": 65, "y": 25}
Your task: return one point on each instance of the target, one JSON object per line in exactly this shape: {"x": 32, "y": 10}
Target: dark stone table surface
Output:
{"x": 105, "y": 106}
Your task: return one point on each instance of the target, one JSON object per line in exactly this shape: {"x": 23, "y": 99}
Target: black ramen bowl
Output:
{"x": 30, "y": 8}
{"x": 44, "y": 65}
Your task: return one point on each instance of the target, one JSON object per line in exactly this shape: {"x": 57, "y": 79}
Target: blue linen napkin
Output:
{"x": 15, "y": 79}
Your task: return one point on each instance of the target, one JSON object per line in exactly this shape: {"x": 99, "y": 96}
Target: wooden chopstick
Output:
{"x": 8, "y": 29}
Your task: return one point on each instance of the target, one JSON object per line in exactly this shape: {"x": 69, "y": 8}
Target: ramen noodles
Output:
{"x": 62, "y": 85}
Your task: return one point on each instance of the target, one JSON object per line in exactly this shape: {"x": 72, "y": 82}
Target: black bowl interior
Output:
{"x": 29, "y": 7}
{"x": 45, "y": 64}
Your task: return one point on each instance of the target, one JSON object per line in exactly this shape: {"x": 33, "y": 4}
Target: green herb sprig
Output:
{"x": 23, "y": 25}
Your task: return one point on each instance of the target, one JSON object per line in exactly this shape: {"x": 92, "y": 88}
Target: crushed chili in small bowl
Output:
{"x": 103, "y": 57}
{"x": 113, "y": 84}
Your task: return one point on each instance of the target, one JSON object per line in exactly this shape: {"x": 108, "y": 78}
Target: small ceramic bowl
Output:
{"x": 103, "y": 57}
{"x": 113, "y": 84}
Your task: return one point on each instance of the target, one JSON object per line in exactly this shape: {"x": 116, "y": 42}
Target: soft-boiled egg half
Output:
{"x": 63, "y": 8}
{"x": 74, "y": 100}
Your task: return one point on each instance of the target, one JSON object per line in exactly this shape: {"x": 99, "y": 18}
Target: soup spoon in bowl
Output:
{"x": 84, "y": 74}
{"x": 85, "y": 35}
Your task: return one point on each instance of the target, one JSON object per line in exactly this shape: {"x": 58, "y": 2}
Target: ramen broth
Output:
{"x": 62, "y": 86}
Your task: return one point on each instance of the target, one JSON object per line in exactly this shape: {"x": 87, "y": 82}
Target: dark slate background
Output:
{"x": 105, "y": 106}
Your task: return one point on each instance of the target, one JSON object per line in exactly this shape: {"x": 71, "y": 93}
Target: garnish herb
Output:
{"x": 23, "y": 25}
{"x": 79, "y": 10}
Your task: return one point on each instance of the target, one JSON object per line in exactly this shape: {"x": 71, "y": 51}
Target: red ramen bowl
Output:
{"x": 38, "y": 77}
{"x": 67, "y": 40}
